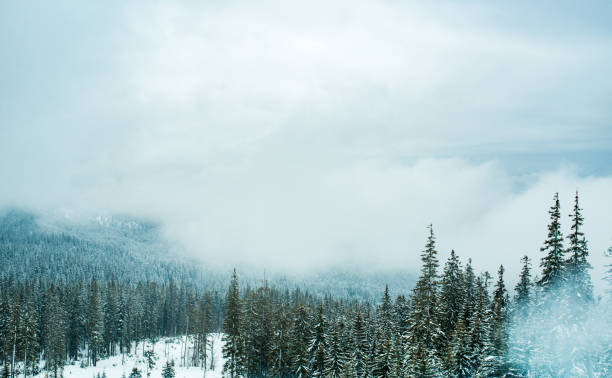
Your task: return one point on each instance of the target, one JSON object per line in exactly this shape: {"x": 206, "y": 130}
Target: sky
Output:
{"x": 307, "y": 135}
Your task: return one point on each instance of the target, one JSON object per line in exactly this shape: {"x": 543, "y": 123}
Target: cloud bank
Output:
{"x": 300, "y": 136}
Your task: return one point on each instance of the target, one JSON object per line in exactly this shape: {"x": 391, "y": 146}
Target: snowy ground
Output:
{"x": 166, "y": 349}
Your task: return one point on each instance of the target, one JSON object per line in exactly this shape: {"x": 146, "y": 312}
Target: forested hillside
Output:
{"x": 454, "y": 322}
{"x": 132, "y": 250}
{"x": 123, "y": 249}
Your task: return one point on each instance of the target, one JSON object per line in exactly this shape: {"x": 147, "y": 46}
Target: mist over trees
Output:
{"x": 455, "y": 322}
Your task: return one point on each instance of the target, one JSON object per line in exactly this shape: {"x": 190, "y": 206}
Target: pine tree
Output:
{"x": 459, "y": 347}
{"x": 300, "y": 337}
{"x": 524, "y": 286}
{"x": 95, "y": 323}
{"x": 27, "y": 334}
{"x": 580, "y": 286}
{"x": 336, "y": 359}
{"x": 110, "y": 318}
{"x": 150, "y": 359}
{"x": 318, "y": 345}
{"x": 280, "y": 352}
{"x": 451, "y": 296}
{"x": 360, "y": 342}
{"x": 232, "y": 349}
{"x": 135, "y": 373}
{"x": 385, "y": 314}
{"x": 495, "y": 361}
{"x": 168, "y": 370}
{"x": 521, "y": 348}
{"x": 424, "y": 330}
{"x": 55, "y": 338}
{"x": 397, "y": 357}
{"x": 553, "y": 263}
{"x": 479, "y": 338}
{"x": 382, "y": 359}
{"x": 6, "y": 326}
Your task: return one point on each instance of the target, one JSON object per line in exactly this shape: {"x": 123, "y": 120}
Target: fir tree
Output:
{"x": 336, "y": 359}
{"x": 580, "y": 286}
{"x": 232, "y": 349}
{"x": 168, "y": 370}
{"x": 95, "y": 323}
{"x": 495, "y": 360}
{"x": 451, "y": 296}
{"x": 479, "y": 338}
{"x": 27, "y": 335}
{"x": 382, "y": 359}
{"x": 553, "y": 263}
{"x": 524, "y": 286}
{"x": 55, "y": 338}
{"x": 279, "y": 350}
{"x": 150, "y": 359}
{"x": 424, "y": 330}
{"x": 461, "y": 361}
{"x": 360, "y": 342}
{"x": 385, "y": 314}
{"x": 318, "y": 345}
{"x": 300, "y": 337}
{"x": 135, "y": 373}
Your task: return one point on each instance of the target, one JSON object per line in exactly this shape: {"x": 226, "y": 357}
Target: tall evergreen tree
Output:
{"x": 95, "y": 323}
{"x": 361, "y": 346}
{"x": 232, "y": 338}
{"x": 580, "y": 286}
{"x": 424, "y": 337}
{"x": 523, "y": 288}
{"x": 495, "y": 362}
{"x": 336, "y": 359}
{"x": 55, "y": 338}
{"x": 318, "y": 346}
{"x": 452, "y": 293}
{"x": 27, "y": 335}
{"x": 300, "y": 337}
{"x": 553, "y": 263}
{"x": 280, "y": 352}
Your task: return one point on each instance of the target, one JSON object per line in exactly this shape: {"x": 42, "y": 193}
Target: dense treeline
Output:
{"x": 57, "y": 323}
{"x": 127, "y": 251}
{"x": 455, "y": 323}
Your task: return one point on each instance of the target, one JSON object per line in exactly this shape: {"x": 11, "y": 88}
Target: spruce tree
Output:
{"x": 335, "y": 359}
{"x": 495, "y": 361}
{"x": 424, "y": 333}
{"x": 95, "y": 323}
{"x": 524, "y": 286}
{"x": 135, "y": 373}
{"x": 553, "y": 263}
{"x": 479, "y": 337}
{"x": 168, "y": 370}
{"x": 27, "y": 335}
{"x": 55, "y": 338}
{"x": 459, "y": 347}
{"x": 318, "y": 345}
{"x": 280, "y": 352}
{"x": 382, "y": 360}
{"x": 452, "y": 292}
{"x": 300, "y": 337}
{"x": 361, "y": 346}
{"x": 580, "y": 286}
{"x": 232, "y": 348}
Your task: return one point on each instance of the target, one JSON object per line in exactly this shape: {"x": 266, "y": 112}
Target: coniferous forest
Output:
{"x": 456, "y": 322}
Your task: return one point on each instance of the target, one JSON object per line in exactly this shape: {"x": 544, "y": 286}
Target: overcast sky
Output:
{"x": 303, "y": 135}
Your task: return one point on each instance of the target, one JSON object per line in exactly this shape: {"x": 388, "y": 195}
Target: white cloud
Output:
{"x": 301, "y": 135}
